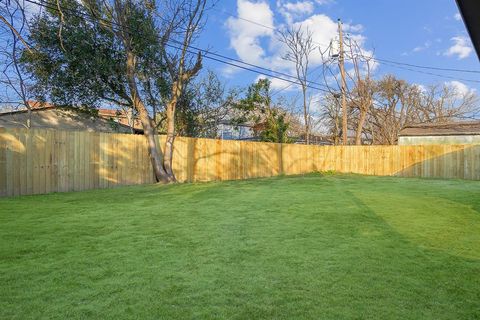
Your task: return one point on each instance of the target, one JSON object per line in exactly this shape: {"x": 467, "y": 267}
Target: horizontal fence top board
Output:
{"x": 35, "y": 161}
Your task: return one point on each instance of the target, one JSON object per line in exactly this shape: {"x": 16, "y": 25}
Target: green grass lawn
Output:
{"x": 313, "y": 247}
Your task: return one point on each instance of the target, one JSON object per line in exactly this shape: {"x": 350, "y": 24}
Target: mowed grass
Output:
{"x": 312, "y": 247}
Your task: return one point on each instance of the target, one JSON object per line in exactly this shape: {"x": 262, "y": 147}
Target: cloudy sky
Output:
{"x": 426, "y": 32}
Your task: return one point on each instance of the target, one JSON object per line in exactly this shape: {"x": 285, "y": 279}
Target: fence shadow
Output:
{"x": 447, "y": 162}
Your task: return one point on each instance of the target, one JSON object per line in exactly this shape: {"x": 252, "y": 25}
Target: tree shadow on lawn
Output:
{"x": 427, "y": 222}
{"x": 284, "y": 257}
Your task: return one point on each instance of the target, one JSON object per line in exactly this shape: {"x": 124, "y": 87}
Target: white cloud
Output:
{"x": 353, "y": 28}
{"x": 423, "y": 47}
{"x": 323, "y": 30}
{"x": 461, "y": 48}
{"x": 421, "y": 87}
{"x": 260, "y": 45}
{"x": 245, "y": 35}
{"x": 457, "y": 16}
{"x": 305, "y": 7}
{"x": 278, "y": 84}
{"x": 427, "y": 29}
{"x": 292, "y": 11}
{"x": 460, "y": 88}
{"x": 316, "y": 104}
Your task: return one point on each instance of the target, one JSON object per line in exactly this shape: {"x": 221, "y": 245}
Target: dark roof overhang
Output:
{"x": 470, "y": 11}
{"x": 470, "y": 128}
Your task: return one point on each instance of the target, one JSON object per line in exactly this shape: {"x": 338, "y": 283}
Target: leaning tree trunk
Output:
{"x": 171, "y": 106}
{"x": 183, "y": 77}
{"x": 148, "y": 130}
{"x": 155, "y": 158}
{"x": 361, "y": 123}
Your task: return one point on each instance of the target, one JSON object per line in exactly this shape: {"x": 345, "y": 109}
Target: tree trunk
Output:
{"x": 155, "y": 158}
{"x": 168, "y": 156}
{"x": 29, "y": 115}
{"x": 171, "y": 106}
{"x": 361, "y": 122}
{"x": 306, "y": 115}
{"x": 160, "y": 173}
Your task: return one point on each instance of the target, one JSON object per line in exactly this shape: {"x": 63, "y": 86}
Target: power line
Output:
{"x": 246, "y": 20}
{"x": 292, "y": 82}
{"x": 245, "y": 63}
{"x": 275, "y": 92}
{"x": 430, "y": 73}
{"x": 236, "y": 61}
{"x": 206, "y": 52}
{"x": 380, "y": 60}
{"x": 308, "y": 73}
{"x": 426, "y": 67}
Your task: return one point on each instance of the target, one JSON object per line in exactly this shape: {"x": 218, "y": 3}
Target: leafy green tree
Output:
{"x": 203, "y": 106}
{"x": 256, "y": 107}
{"x": 276, "y": 128}
{"x": 95, "y": 51}
{"x": 86, "y": 55}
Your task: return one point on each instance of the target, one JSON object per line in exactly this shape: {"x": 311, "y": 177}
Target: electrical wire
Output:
{"x": 379, "y": 60}
{"x": 205, "y": 52}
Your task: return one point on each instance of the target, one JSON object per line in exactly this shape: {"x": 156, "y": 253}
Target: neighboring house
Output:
{"x": 228, "y": 131}
{"x": 447, "y": 133}
{"x": 315, "y": 139}
{"x": 126, "y": 118}
{"x": 48, "y": 116}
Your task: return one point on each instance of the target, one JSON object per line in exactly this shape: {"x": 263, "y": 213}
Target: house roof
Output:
{"x": 443, "y": 129}
{"x": 230, "y": 123}
{"x": 111, "y": 113}
{"x": 34, "y": 105}
{"x": 48, "y": 116}
{"x": 470, "y": 10}
{"x": 121, "y": 116}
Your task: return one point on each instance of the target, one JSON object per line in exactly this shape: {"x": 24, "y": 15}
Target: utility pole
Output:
{"x": 341, "y": 62}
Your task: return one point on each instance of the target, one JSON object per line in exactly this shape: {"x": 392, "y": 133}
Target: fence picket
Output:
{"x": 40, "y": 161}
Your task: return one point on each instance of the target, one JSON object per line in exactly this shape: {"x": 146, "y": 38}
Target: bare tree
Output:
{"x": 360, "y": 86}
{"x": 300, "y": 46}
{"x": 181, "y": 67}
{"x": 394, "y": 109}
{"x": 13, "y": 32}
{"x": 361, "y": 97}
{"x": 399, "y": 104}
{"x": 380, "y": 109}
{"x": 443, "y": 103}
{"x": 331, "y": 117}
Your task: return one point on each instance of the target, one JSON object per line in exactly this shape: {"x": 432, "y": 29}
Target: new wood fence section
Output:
{"x": 41, "y": 161}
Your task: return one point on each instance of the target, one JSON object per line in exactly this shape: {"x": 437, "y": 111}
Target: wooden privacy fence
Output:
{"x": 41, "y": 160}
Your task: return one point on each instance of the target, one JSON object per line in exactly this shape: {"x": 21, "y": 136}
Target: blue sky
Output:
{"x": 422, "y": 32}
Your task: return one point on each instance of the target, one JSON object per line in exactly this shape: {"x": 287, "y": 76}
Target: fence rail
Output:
{"x": 41, "y": 160}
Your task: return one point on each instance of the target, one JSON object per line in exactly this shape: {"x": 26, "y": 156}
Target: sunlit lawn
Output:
{"x": 313, "y": 247}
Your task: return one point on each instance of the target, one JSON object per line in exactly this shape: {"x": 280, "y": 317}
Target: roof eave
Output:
{"x": 469, "y": 9}
{"x": 441, "y": 134}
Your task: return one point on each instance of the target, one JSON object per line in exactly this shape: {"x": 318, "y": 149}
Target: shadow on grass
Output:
{"x": 425, "y": 221}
